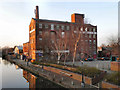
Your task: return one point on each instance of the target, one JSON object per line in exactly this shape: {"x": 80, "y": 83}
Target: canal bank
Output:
{"x": 16, "y": 78}
{"x": 60, "y": 79}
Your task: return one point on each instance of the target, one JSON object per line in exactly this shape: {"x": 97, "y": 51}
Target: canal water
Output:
{"x": 14, "y": 77}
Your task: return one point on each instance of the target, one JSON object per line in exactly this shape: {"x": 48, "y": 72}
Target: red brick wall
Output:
{"x": 77, "y": 18}
{"x": 26, "y": 48}
{"x": 115, "y": 66}
{"x": 107, "y": 85}
{"x": 32, "y": 39}
{"x": 77, "y": 22}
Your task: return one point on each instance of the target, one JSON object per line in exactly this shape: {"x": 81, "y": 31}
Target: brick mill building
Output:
{"x": 40, "y": 29}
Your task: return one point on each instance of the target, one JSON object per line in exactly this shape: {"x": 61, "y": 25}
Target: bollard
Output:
{"x": 54, "y": 76}
{"x": 53, "y": 79}
{"x": 62, "y": 78}
{"x": 96, "y": 65}
{"x": 82, "y": 84}
{"x": 103, "y": 66}
{"x": 108, "y": 67}
{"x": 60, "y": 81}
{"x": 72, "y": 83}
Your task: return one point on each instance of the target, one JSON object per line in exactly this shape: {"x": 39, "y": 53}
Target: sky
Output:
{"x": 15, "y": 17}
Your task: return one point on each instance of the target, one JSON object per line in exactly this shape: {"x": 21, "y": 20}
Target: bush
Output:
{"x": 89, "y": 71}
{"x": 113, "y": 78}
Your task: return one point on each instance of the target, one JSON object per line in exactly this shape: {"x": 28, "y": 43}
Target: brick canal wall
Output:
{"x": 110, "y": 86}
{"x": 64, "y": 78}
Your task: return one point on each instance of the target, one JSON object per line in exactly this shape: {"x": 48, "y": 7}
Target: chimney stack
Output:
{"x": 37, "y": 12}
{"x": 77, "y": 18}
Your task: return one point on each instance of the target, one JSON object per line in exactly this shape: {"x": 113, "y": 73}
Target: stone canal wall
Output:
{"x": 64, "y": 78}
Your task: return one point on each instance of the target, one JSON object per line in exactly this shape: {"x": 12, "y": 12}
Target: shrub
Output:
{"x": 113, "y": 78}
{"x": 89, "y": 71}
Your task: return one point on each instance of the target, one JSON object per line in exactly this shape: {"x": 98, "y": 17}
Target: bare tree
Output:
{"x": 75, "y": 39}
{"x": 112, "y": 40}
{"x": 58, "y": 44}
{"x": 113, "y": 43}
{"x": 87, "y": 21}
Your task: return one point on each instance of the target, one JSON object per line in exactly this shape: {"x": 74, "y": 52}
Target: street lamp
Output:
{"x": 82, "y": 83}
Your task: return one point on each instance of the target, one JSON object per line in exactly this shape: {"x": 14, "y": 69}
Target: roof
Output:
{"x": 89, "y": 25}
{"x": 54, "y": 21}
{"x": 19, "y": 47}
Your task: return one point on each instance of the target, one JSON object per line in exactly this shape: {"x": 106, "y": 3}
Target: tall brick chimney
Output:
{"x": 37, "y": 12}
{"x": 77, "y": 18}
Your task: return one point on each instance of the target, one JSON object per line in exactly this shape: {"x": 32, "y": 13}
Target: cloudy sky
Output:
{"x": 15, "y": 17}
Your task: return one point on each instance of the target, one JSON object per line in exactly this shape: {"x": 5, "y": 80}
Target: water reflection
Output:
{"x": 0, "y": 74}
{"x": 12, "y": 77}
{"x": 15, "y": 77}
{"x": 17, "y": 67}
{"x": 5, "y": 62}
{"x": 38, "y": 82}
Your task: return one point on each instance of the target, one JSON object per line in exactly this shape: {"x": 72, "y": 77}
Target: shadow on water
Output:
{"x": 36, "y": 82}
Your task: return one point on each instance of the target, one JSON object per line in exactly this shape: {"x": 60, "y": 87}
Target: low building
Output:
{"x": 18, "y": 50}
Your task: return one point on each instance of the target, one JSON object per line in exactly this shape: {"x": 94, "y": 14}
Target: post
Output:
{"x": 42, "y": 68}
{"x": 82, "y": 83}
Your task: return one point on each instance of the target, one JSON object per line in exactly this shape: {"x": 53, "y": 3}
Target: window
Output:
{"x": 85, "y": 29}
{"x": 89, "y": 29}
{"x": 68, "y": 27}
{"x": 40, "y": 38}
{"x": 52, "y": 41}
{"x": 89, "y": 35}
{"x": 63, "y": 34}
{"x": 62, "y": 27}
{"x": 52, "y": 33}
{"x": 52, "y": 26}
{"x": 40, "y": 32}
{"x": 40, "y": 47}
{"x": 93, "y": 36}
{"x": 81, "y": 35}
{"x": 57, "y": 27}
{"x": 75, "y": 31}
{"x": 72, "y": 27}
{"x": 94, "y": 41}
{"x": 46, "y": 25}
{"x": 40, "y": 25}
{"x": 85, "y": 35}
{"x": 93, "y": 29}
{"x": 90, "y": 41}
{"x": 81, "y": 29}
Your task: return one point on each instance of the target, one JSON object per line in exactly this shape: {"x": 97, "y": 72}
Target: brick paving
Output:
{"x": 55, "y": 75}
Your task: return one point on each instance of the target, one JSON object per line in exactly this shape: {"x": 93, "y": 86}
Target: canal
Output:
{"x": 14, "y": 77}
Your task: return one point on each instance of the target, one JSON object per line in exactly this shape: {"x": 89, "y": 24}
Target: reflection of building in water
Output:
{"x": 17, "y": 67}
{"x": 30, "y": 78}
{"x": 38, "y": 82}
